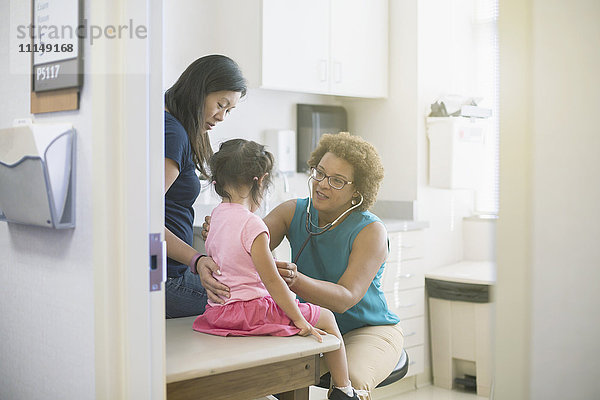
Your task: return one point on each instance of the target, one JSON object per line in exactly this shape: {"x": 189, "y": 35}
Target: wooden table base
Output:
{"x": 291, "y": 378}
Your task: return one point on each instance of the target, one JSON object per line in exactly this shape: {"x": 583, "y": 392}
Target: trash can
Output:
{"x": 460, "y": 320}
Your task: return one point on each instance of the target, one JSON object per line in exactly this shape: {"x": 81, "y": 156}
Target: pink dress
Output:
{"x": 250, "y": 311}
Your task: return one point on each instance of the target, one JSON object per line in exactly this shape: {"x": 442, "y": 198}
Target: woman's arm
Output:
{"x": 180, "y": 251}
{"x": 369, "y": 251}
{"x": 177, "y": 249}
{"x": 278, "y": 221}
{"x": 278, "y": 289}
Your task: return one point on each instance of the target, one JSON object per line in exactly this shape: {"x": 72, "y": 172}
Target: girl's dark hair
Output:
{"x": 241, "y": 162}
{"x": 185, "y": 99}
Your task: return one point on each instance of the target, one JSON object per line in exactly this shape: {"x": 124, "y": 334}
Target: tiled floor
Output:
{"x": 424, "y": 393}
{"x": 435, "y": 393}
{"x": 429, "y": 392}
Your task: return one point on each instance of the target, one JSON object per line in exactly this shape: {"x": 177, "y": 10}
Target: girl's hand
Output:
{"x": 288, "y": 271}
{"x": 205, "y": 227}
{"x": 215, "y": 290}
{"x": 307, "y": 329}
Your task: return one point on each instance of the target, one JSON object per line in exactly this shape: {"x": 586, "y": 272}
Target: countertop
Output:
{"x": 403, "y": 225}
{"x": 475, "y": 272}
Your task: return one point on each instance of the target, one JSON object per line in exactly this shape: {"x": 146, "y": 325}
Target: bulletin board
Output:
{"x": 56, "y": 55}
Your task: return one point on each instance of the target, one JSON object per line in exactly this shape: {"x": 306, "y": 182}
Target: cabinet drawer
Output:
{"x": 407, "y": 303}
{"x": 416, "y": 360}
{"x": 414, "y": 331}
{"x": 405, "y": 245}
{"x": 402, "y": 276}
{"x": 411, "y": 274}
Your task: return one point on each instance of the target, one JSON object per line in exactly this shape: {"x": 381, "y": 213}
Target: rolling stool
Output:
{"x": 398, "y": 373}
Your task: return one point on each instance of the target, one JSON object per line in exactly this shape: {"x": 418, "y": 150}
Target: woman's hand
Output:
{"x": 215, "y": 290}
{"x": 288, "y": 271}
{"x": 205, "y": 227}
{"x": 307, "y": 329}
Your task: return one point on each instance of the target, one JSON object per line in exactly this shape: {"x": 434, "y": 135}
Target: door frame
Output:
{"x": 127, "y": 127}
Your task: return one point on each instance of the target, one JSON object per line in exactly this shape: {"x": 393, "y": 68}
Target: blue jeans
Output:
{"x": 184, "y": 296}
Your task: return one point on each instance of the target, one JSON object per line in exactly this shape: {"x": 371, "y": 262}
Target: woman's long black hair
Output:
{"x": 185, "y": 99}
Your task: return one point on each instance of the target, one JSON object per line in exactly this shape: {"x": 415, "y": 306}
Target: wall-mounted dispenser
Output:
{"x": 282, "y": 143}
{"x": 37, "y": 175}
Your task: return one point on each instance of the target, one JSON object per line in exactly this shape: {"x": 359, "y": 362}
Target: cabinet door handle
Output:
{"x": 407, "y": 305}
{"x": 323, "y": 70}
{"x": 413, "y": 333}
{"x": 406, "y": 276}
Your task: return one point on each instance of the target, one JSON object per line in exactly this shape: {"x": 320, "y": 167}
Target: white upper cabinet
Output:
{"x": 359, "y": 48}
{"x": 336, "y": 47}
{"x": 295, "y": 45}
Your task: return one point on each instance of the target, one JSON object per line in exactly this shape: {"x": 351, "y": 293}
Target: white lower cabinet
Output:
{"x": 403, "y": 284}
{"x": 416, "y": 359}
{"x": 414, "y": 332}
{"x": 407, "y": 303}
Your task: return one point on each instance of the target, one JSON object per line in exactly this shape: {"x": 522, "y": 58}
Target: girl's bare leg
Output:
{"x": 335, "y": 360}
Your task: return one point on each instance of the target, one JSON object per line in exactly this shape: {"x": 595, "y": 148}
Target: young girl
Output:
{"x": 238, "y": 241}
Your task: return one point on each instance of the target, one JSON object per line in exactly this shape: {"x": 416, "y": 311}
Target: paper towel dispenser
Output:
{"x": 37, "y": 175}
{"x": 313, "y": 121}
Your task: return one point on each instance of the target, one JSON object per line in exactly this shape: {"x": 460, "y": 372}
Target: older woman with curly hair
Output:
{"x": 339, "y": 250}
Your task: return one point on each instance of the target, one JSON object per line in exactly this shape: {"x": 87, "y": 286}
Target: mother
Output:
{"x": 203, "y": 95}
{"x": 339, "y": 250}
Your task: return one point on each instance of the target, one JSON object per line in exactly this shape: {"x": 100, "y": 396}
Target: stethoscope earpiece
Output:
{"x": 362, "y": 198}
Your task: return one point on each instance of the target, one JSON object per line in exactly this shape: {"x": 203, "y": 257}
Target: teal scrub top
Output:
{"x": 325, "y": 257}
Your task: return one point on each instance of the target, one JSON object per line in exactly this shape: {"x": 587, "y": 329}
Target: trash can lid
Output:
{"x": 476, "y": 272}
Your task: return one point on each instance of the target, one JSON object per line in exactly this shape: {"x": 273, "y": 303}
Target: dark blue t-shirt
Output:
{"x": 179, "y": 214}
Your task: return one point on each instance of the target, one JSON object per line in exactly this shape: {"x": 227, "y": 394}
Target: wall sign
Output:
{"x": 56, "y": 32}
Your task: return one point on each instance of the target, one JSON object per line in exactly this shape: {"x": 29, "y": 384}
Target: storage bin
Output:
{"x": 456, "y": 146}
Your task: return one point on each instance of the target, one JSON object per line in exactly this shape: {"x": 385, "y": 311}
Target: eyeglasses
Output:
{"x": 334, "y": 181}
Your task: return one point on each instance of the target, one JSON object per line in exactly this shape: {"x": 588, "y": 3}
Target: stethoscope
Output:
{"x": 320, "y": 229}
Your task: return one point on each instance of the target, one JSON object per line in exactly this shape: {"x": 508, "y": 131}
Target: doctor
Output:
{"x": 339, "y": 250}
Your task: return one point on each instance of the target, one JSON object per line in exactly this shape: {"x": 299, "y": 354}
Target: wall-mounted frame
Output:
{"x": 57, "y": 30}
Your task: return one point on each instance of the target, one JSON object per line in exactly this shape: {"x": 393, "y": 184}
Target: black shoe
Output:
{"x": 337, "y": 394}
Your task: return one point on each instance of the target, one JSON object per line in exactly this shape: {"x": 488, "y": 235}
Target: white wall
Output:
{"x": 391, "y": 124}
{"x": 47, "y": 300}
{"x": 548, "y": 256}
{"x": 443, "y": 68}
{"x": 430, "y": 55}
{"x": 428, "y": 58}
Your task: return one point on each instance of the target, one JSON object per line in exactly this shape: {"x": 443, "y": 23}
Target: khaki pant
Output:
{"x": 372, "y": 352}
